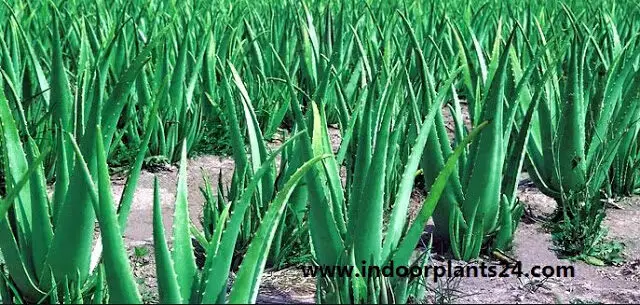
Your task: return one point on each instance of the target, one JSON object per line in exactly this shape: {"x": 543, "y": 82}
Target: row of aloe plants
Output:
{"x": 538, "y": 95}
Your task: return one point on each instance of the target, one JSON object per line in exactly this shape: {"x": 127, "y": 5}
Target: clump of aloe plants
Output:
{"x": 588, "y": 109}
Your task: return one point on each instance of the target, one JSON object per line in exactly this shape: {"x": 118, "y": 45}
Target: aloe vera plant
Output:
{"x": 178, "y": 278}
{"x": 39, "y": 281}
{"x": 594, "y": 115}
{"x": 38, "y": 230}
{"x": 480, "y": 199}
{"x": 371, "y": 249}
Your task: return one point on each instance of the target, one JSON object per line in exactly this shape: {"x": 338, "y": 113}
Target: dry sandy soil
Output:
{"x": 619, "y": 284}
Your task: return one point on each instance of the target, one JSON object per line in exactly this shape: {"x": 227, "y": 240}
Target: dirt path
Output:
{"x": 140, "y": 226}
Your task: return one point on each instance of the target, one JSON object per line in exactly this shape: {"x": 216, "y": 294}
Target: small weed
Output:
{"x": 141, "y": 252}
{"x": 579, "y": 234}
{"x": 446, "y": 290}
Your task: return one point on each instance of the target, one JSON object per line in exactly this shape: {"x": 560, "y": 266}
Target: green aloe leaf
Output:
{"x": 245, "y": 288}
{"x": 168, "y": 287}
{"x": 182, "y": 254}
{"x": 123, "y": 288}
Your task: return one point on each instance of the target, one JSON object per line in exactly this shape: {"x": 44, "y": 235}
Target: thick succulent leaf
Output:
{"x": 182, "y": 254}
{"x": 123, "y": 288}
{"x": 245, "y": 287}
{"x": 168, "y": 288}
{"x": 571, "y": 133}
{"x": 15, "y": 156}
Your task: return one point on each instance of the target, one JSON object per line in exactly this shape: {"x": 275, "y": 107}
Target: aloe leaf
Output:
{"x": 124, "y": 207}
{"x": 325, "y": 234}
{"x": 256, "y": 141}
{"x": 60, "y": 92}
{"x": 506, "y": 230}
{"x": 168, "y": 288}
{"x": 42, "y": 230}
{"x": 15, "y": 156}
{"x": 98, "y": 296}
{"x": 119, "y": 276}
{"x": 571, "y": 137}
{"x": 321, "y": 144}
{"x": 182, "y": 254}
{"x": 75, "y": 218}
{"x": 245, "y": 288}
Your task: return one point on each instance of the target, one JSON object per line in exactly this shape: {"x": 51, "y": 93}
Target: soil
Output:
{"x": 533, "y": 246}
